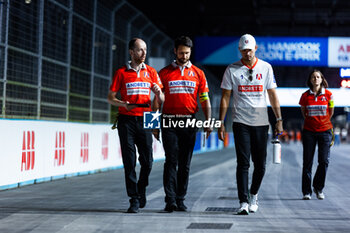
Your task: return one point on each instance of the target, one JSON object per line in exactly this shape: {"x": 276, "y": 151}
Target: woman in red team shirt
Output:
{"x": 317, "y": 108}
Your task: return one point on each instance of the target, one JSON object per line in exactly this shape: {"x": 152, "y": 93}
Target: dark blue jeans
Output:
{"x": 250, "y": 140}
{"x": 323, "y": 140}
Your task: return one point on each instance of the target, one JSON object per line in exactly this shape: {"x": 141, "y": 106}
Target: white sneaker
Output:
{"x": 319, "y": 194}
{"x": 253, "y": 204}
{"x": 243, "y": 210}
{"x": 307, "y": 197}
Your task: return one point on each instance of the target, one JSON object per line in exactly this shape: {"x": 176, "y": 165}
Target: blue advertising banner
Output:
{"x": 282, "y": 51}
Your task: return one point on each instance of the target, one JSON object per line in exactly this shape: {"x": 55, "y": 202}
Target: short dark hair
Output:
{"x": 132, "y": 43}
{"x": 183, "y": 40}
{"x": 324, "y": 81}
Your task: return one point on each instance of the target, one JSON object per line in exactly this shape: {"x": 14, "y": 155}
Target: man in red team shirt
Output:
{"x": 134, "y": 81}
{"x": 183, "y": 82}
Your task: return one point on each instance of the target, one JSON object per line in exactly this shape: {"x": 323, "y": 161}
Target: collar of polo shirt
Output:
{"x": 322, "y": 91}
{"x": 189, "y": 64}
{"x": 128, "y": 66}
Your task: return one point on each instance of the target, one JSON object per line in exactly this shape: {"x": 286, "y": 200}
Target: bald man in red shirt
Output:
{"x": 135, "y": 81}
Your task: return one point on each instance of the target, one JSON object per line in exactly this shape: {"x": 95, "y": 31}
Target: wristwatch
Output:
{"x": 279, "y": 119}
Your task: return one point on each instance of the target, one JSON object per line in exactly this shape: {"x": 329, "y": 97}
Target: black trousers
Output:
{"x": 250, "y": 140}
{"x": 178, "y": 146}
{"x": 323, "y": 140}
{"x": 131, "y": 133}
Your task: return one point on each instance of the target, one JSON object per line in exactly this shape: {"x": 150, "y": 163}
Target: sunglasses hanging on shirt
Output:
{"x": 250, "y": 74}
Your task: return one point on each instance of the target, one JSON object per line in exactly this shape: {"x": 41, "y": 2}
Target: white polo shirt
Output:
{"x": 249, "y": 97}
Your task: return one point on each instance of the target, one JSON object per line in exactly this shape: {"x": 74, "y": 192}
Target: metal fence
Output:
{"x": 57, "y": 57}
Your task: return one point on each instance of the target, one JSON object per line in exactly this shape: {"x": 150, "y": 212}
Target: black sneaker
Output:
{"x": 181, "y": 206}
{"x": 170, "y": 207}
{"x": 143, "y": 200}
{"x": 134, "y": 206}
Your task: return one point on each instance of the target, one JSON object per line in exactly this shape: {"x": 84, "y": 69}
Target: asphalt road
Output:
{"x": 97, "y": 203}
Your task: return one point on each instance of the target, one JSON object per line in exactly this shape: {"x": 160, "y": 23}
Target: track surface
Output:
{"x": 97, "y": 203}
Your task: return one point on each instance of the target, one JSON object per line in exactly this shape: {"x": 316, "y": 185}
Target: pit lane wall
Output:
{"x": 34, "y": 151}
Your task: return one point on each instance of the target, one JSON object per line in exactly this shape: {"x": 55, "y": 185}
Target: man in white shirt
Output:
{"x": 249, "y": 80}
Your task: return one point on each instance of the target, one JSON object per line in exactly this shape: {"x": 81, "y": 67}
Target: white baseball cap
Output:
{"x": 246, "y": 41}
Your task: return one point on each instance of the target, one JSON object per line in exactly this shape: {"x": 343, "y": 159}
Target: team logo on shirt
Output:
{"x": 259, "y": 76}
{"x": 138, "y": 88}
{"x": 191, "y": 73}
{"x": 181, "y": 87}
{"x": 146, "y": 74}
